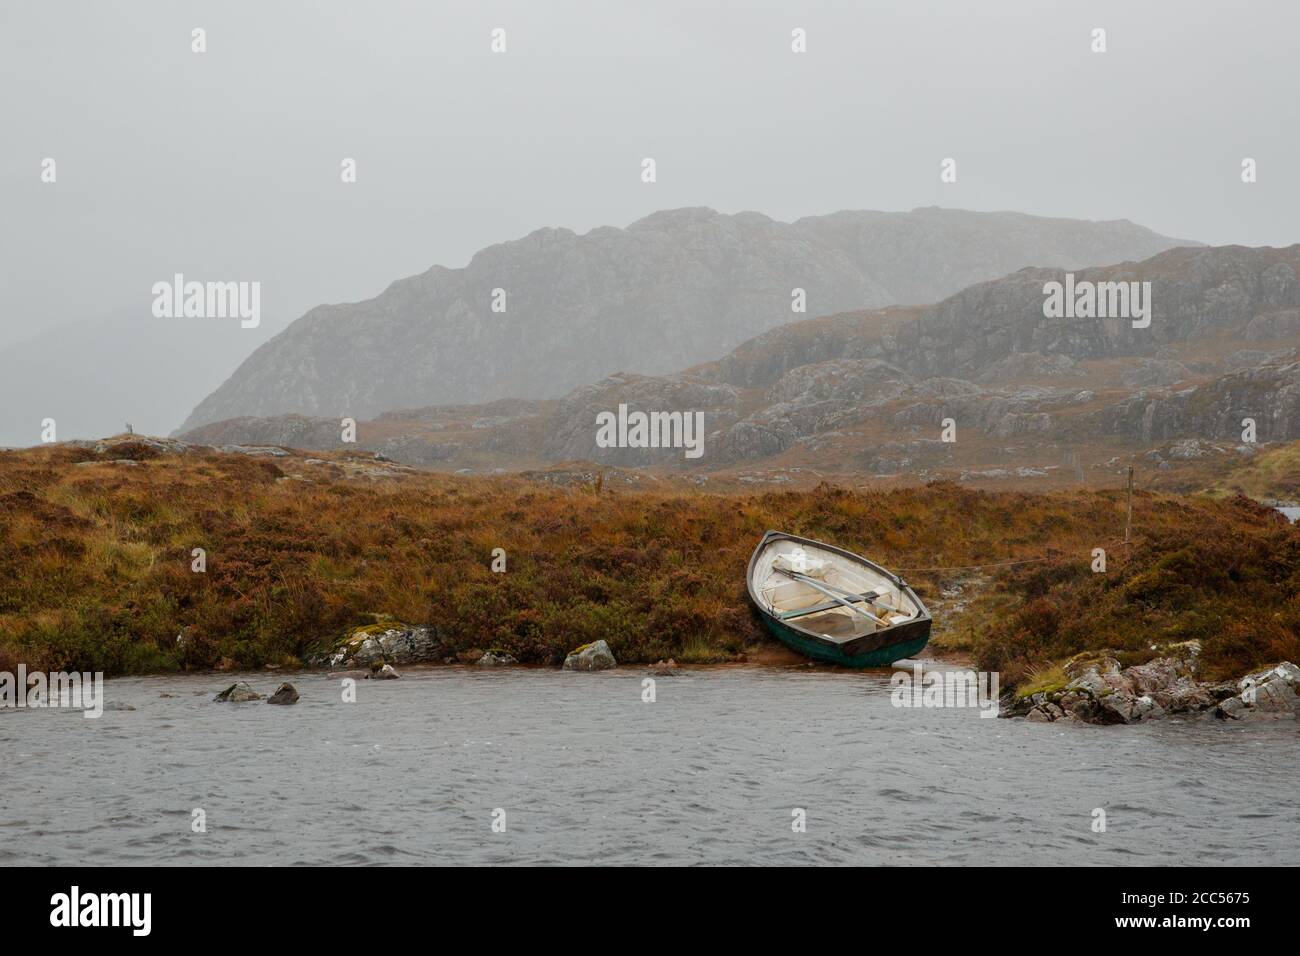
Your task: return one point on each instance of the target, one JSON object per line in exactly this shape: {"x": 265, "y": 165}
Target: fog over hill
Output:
{"x": 673, "y": 289}
{"x": 867, "y": 391}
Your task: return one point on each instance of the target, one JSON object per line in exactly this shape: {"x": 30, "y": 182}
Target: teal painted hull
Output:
{"x": 880, "y": 657}
{"x": 893, "y": 644}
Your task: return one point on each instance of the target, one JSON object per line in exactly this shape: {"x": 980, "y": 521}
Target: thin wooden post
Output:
{"x": 1128, "y": 518}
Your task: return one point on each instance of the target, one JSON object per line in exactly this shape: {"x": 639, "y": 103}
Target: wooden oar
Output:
{"x": 825, "y": 589}
{"x": 799, "y": 576}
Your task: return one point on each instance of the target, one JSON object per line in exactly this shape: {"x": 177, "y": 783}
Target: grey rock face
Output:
{"x": 1194, "y": 292}
{"x": 1268, "y": 394}
{"x": 1278, "y": 324}
{"x": 573, "y": 433}
{"x": 671, "y": 290}
{"x": 398, "y": 645}
{"x": 1101, "y": 692}
{"x": 590, "y": 657}
{"x": 1021, "y": 365}
{"x": 1267, "y": 694}
{"x": 1156, "y": 372}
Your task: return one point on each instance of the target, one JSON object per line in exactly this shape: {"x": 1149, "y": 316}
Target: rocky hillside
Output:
{"x": 867, "y": 392}
{"x": 673, "y": 289}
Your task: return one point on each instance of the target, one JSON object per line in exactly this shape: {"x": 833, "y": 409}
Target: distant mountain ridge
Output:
{"x": 867, "y": 391}
{"x": 671, "y": 290}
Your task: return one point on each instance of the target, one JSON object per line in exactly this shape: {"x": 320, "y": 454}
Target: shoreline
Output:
{"x": 226, "y": 563}
{"x": 1091, "y": 689}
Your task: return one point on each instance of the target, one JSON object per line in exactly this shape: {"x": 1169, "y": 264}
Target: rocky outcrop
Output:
{"x": 238, "y": 693}
{"x": 286, "y": 431}
{"x": 1156, "y": 372}
{"x": 1194, "y": 293}
{"x": 1029, "y": 365}
{"x": 573, "y": 431}
{"x": 595, "y": 656}
{"x": 1269, "y": 395}
{"x": 1266, "y": 694}
{"x": 285, "y": 694}
{"x": 674, "y": 289}
{"x": 1097, "y": 690}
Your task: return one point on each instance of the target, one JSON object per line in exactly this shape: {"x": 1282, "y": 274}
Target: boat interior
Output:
{"x": 827, "y": 594}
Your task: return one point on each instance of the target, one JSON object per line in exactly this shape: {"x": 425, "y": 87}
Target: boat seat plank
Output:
{"x": 869, "y": 596}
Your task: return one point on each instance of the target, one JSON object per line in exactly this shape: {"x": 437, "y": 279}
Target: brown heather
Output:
{"x": 95, "y": 565}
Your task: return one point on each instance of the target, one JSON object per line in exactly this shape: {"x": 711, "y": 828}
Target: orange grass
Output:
{"x": 95, "y": 565}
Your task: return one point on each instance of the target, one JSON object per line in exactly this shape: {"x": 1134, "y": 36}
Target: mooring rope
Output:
{"x": 978, "y": 567}
{"x": 1001, "y": 564}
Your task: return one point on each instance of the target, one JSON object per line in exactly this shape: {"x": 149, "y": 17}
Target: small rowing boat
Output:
{"x": 833, "y": 605}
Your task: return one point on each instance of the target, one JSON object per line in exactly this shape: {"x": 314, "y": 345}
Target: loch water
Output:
{"x": 582, "y": 770}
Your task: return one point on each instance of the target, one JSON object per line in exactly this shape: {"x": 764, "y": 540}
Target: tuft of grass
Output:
{"x": 1045, "y": 679}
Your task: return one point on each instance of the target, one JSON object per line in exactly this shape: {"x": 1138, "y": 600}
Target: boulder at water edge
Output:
{"x": 400, "y": 644}
{"x": 237, "y": 693}
{"x": 595, "y": 656}
{"x": 1270, "y": 693}
{"x": 284, "y": 694}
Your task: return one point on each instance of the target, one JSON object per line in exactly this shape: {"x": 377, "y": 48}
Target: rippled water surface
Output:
{"x": 588, "y": 773}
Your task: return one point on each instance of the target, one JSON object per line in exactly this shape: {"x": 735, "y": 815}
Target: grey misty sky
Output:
{"x": 225, "y": 165}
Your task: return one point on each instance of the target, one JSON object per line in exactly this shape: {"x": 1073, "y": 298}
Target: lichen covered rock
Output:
{"x": 595, "y": 656}
{"x": 388, "y": 643}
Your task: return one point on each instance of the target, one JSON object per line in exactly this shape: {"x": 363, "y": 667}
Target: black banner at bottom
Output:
{"x": 182, "y": 904}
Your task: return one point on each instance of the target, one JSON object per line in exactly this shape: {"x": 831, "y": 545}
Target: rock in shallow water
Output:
{"x": 237, "y": 693}
{"x": 286, "y": 693}
{"x": 595, "y": 656}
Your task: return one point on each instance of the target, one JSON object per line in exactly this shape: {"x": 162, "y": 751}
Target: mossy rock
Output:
{"x": 379, "y": 627}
